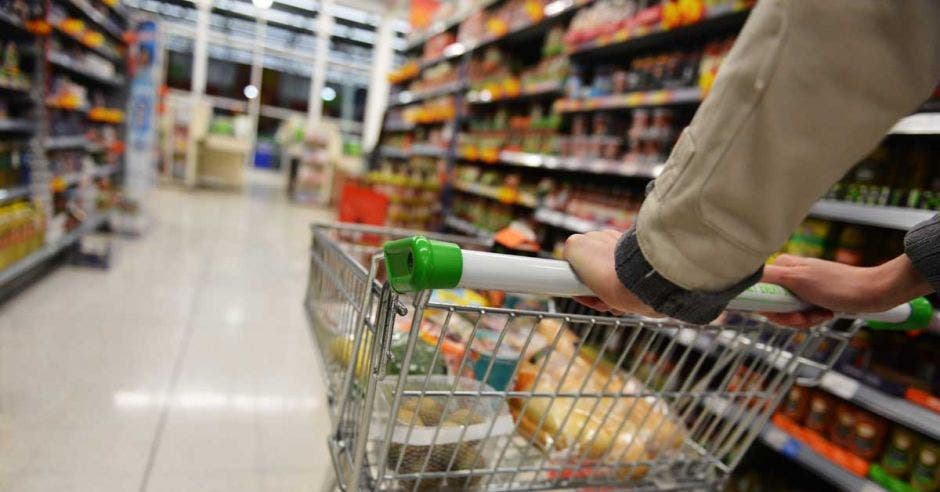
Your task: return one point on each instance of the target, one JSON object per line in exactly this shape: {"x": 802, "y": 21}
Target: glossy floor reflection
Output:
{"x": 185, "y": 367}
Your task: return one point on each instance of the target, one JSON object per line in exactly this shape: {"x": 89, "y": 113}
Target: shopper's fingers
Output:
{"x": 612, "y": 233}
{"x": 803, "y": 319}
{"x": 593, "y": 303}
{"x": 780, "y": 275}
{"x": 786, "y": 260}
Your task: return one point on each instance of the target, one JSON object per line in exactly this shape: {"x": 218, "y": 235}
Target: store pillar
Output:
{"x": 378, "y": 84}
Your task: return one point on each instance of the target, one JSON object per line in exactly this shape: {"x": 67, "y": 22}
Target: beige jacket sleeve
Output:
{"x": 810, "y": 87}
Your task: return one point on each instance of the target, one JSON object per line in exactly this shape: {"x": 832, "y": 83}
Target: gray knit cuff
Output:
{"x": 665, "y": 297}
{"x": 922, "y": 246}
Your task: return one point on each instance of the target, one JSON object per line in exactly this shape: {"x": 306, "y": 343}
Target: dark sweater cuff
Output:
{"x": 922, "y": 246}
{"x": 638, "y": 276}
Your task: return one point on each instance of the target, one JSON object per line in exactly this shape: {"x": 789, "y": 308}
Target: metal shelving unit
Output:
{"x": 16, "y": 125}
{"x": 15, "y": 193}
{"x": 44, "y": 181}
{"x": 97, "y": 18}
{"x": 465, "y": 227}
{"x": 66, "y": 142}
{"x": 64, "y": 62}
{"x": 49, "y": 250}
{"x": 565, "y": 221}
{"x": 786, "y": 445}
{"x": 872, "y": 215}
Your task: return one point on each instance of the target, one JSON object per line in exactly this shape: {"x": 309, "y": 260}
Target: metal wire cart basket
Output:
{"x": 433, "y": 385}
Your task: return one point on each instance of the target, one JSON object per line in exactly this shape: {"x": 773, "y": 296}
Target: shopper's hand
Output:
{"x": 591, "y": 256}
{"x": 836, "y": 287}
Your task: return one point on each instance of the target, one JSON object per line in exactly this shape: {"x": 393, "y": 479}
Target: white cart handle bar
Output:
{"x": 418, "y": 263}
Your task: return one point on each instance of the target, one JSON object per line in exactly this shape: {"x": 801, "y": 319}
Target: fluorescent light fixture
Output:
{"x": 557, "y": 7}
{"x": 251, "y": 91}
{"x": 486, "y": 96}
{"x": 263, "y": 4}
{"x": 328, "y": 94}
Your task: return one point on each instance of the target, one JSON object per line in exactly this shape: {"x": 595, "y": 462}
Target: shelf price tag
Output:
{"x": 839, "y": 385}
{"x": 776, "y": 438}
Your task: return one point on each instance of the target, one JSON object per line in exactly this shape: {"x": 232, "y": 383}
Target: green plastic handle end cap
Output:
{"x": 921, "y": 315}
{"x": 418, "y": 263}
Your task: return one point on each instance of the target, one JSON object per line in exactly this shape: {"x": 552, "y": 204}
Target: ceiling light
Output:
{"x": 251, "y": 91}
{"x": 328, "y": 94}
{"x": 263, "y": 4}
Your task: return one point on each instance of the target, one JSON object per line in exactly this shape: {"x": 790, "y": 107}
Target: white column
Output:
{"x": 201, "y": 49}
{"x": 257, "y": 69}
{"x": 198, "y": 87}
{"x": 377, "y": 98}
{"x": 318, "y": 75}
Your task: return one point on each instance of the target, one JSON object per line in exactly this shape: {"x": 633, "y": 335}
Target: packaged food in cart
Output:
{"x": 439, "y": 433}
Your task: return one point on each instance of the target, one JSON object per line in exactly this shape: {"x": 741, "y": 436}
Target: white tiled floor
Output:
{"x": 185, "y": 367}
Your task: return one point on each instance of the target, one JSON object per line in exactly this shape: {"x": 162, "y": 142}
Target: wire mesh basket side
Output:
{"x": 628, "y": 401}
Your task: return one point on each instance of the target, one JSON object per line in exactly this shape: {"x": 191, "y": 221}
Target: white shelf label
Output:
{"x": 839, "y": 385}
{"x": 870, "y": 487}
{"x": 776, "y": 438}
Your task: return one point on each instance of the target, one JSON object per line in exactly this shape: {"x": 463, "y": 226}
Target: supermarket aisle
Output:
{"x": 187, "y": 366}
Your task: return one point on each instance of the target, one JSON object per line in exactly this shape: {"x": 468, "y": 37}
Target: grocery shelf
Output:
{"x": 49, "y": 250}
{"x": 631, "y": 39}
{"x": 509, "y": 197}
{"x": 890, "y": 407}
{"x": 593, "y": 166}
{"x": 103, "y": 171}
{"x": 97, "y": 18}
{"x": 67, "y": 142}
{"x": 394, "y": 152}
{"x": 17, "y": 192}
{"x": 873, "y": 215}
{"x": 780, "y": 441}
{"x": 10, "y": 86}
{"x": 13, "y": 23}
{"x": 65, "y": 62}
{"x": 77, "y": 109}
{"x": 96, "y": 49}
{"x": 484, "y": 97}
{"x": 16, "y": 125}
{"x": 663, "y": 97}
{"x": 896, "y": 409}
{"x": 917, "y": 124}
{"x": 399, "y": 126}
{"x": 446, "y": 25}
{"x": 409, "y": 97}
{"x": 551, "y": 12}
{"x": 465, "y": 227}
{"x": 565, "y": 221}
{"x": 427, "y": 150}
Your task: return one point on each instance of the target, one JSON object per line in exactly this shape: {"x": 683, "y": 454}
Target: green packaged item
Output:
{"x": 924, "y": 471}
{"x": 899, "y": 455}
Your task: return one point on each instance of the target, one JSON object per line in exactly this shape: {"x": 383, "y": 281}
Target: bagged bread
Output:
{"x": 619, "y": 430}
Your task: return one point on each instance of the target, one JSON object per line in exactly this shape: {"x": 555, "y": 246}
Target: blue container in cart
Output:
{"x": 504, "y": 360}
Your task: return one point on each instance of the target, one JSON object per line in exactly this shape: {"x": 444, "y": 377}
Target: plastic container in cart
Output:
{"x": 444, "y": 433}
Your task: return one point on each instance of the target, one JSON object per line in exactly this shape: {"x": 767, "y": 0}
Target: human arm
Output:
{"x": 807, "y": 91}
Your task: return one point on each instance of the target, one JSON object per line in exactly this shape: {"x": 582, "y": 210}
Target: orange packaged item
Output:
{"x": 796, "y": 404}
{"x": 820, "y": 413}
{"x": 869, "y": 436}
{"x": 842, "y": 430}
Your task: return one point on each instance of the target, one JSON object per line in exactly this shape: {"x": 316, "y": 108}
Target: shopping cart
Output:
{"x": 431, "y": 390}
